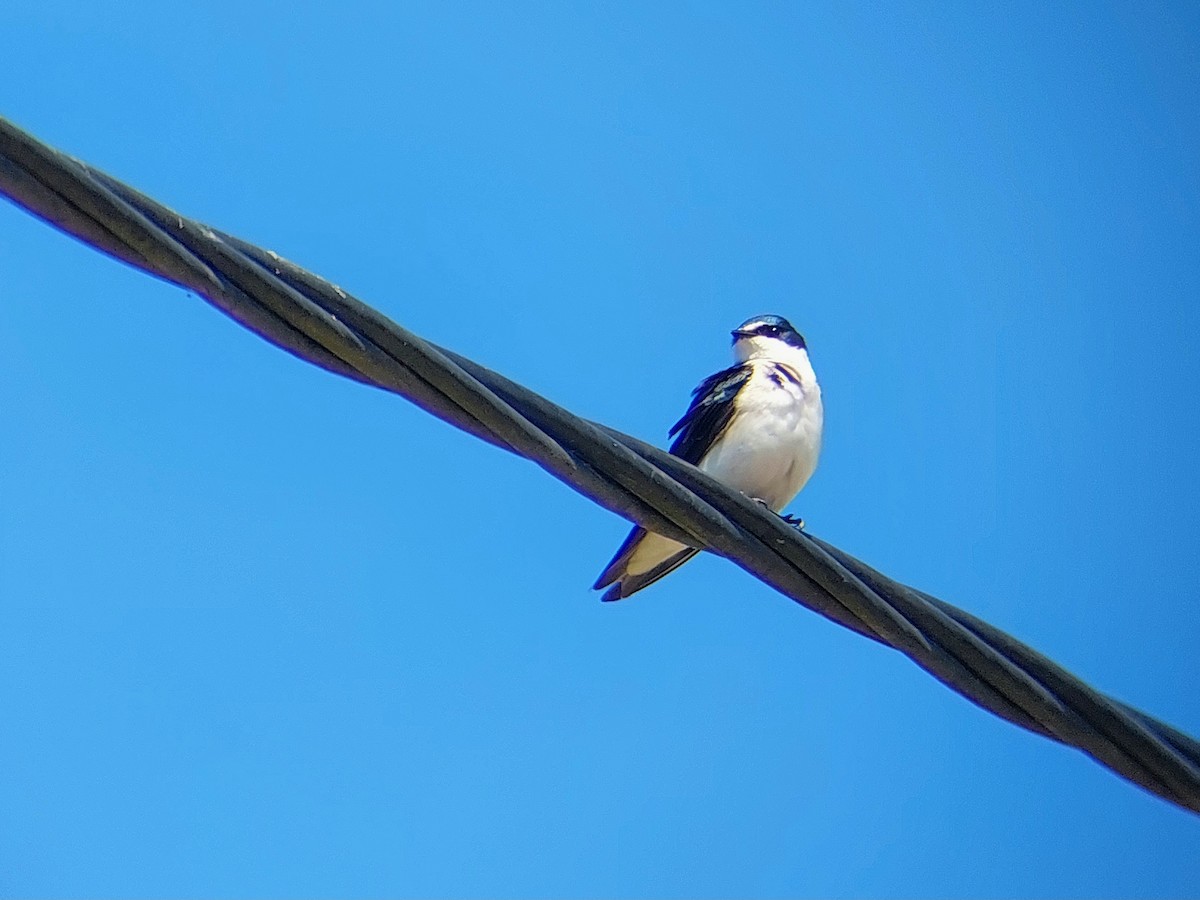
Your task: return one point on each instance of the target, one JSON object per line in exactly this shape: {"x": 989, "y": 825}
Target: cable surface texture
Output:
{"x": 318, "y": 322}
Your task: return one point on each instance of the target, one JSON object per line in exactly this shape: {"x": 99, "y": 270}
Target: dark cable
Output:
{"x": 316, "y": 321}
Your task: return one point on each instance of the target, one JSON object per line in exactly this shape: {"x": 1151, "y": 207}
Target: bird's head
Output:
{"x": 766, "y": 336}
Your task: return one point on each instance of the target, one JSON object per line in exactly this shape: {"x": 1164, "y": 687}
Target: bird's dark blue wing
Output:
{"x": 709, "y": 413}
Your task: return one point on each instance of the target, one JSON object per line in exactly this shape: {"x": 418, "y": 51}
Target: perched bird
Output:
{"x": 755, "y": 426}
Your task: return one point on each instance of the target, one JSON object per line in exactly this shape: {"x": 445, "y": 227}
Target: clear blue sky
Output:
{"x": 267, "y": 632}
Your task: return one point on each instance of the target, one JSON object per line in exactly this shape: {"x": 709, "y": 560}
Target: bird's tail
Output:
{"x": 640, "y": 561}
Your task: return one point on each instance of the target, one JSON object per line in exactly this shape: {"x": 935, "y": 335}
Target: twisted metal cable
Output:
{"x": 318, "y": 322}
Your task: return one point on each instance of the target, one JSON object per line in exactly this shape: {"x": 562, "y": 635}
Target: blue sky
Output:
{"x": 267, "y": 632}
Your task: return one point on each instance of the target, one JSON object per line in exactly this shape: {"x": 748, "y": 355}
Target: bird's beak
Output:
{"x": 738, "y": 333}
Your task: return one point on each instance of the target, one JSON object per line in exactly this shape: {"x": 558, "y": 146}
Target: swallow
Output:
{"x": 755, "y": 427}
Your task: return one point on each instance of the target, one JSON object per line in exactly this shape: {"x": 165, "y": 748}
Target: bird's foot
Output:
{"x": 794, "y": 521}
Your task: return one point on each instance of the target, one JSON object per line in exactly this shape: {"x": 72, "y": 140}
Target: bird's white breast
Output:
{"x": 770, "y": 447}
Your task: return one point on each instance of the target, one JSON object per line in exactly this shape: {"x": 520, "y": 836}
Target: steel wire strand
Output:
{"x": 318, "y": 322}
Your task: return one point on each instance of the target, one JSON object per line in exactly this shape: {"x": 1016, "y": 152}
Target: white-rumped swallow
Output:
{"x": 755, "y": 427}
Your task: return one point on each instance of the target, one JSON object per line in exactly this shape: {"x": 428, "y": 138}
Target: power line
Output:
{"x": 318, "y": 322}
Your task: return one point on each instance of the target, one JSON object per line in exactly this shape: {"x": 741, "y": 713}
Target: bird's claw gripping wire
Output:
{"x": 794, "y": 521}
